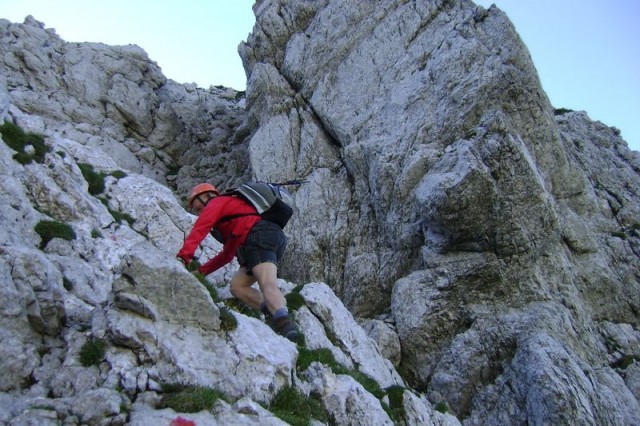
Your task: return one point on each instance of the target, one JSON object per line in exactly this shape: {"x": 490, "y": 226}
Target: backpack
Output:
{"x": 271, "y": 201}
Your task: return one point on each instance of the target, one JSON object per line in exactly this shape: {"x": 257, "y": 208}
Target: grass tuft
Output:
{"x": 18, "y": 140}
{"x": 297, "y": 409}
{"x": 228, "y": 322}
{"x": 294, "y": 301}
{"x": 120, "y": 217}
{"x": 210, "y": 288}
{"x": 92, "y": 352}
{"x": 442, "y": 407}
{"x": 93, "y": 178}
{"x": 367, "y": 382}
{"x": 189, "y": 399}
{"x": 625, "y": 361}
{"x": 119, "y": 174}
{"x": 396, "y": 407}
{"x": 50, "y": 229}
{"x": 322, "y": 355}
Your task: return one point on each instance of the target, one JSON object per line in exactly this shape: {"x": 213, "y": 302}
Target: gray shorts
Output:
{"x": 265, "y": 243}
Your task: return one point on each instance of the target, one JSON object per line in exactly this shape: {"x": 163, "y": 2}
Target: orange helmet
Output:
{"x": 201, "y": 188}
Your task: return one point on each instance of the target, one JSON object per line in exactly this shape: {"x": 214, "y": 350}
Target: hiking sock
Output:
{"x": 282, "y": 312}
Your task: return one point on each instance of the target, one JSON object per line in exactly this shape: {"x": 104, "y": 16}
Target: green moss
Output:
{"x": 50, "y": 229}
{"x": 117, "y": 216}
{"x": 189, "y": 399}
{"x": 297, "y": 409}
{"x": 367, "y": 382}
{"x": 23, "y": 158}
{"x": 301, "y": 342}
{"x": 396, "y": 407}
{"x": 210, "y": 288}
{"x": 396, "y": 395}
{"x": 121, "y": 217}
{"x": 93, "y": 178}
{"x": 18, "y": 140}
{"x": 212, "y": 292}
{"x": 95, "y": 233}
{"x": 442, "y": 407}
{"x": 626, "y": 361}
{"x": 332, "y": 337}
{"x": 471, "y": 134}
{"x": 619, "y": 234}
{"x": 227, "y": 321}
{"x": 92, "y": 352}
{"x": 294, "y": 301}
{"x": 306, "y": 357}
{"x": 119, "y": 174}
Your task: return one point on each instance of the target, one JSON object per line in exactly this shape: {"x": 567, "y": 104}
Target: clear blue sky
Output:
{"x": 193, "y": 41}
{"x": 587, "y": 52}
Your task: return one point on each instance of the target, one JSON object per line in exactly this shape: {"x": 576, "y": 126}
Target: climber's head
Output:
{"x": 200, "y": 196}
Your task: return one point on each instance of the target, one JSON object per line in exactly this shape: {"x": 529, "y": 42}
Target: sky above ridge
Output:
{"x": 586, "y": 51}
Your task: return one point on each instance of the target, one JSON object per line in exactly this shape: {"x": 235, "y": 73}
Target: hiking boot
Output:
{"x": 285, "y": 327}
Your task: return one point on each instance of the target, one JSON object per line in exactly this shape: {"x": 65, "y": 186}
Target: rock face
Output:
{"x": 502, "y": 233}
{"x": 487, "y": 243}
{"x": 114, "y": 98}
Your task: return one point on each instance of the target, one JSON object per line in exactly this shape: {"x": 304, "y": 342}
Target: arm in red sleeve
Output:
{"x": 225, "y": 256}
{"x": 207, "y": 220}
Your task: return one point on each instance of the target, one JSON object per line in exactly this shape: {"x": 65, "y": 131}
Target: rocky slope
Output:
{"x": 498, "y": 238}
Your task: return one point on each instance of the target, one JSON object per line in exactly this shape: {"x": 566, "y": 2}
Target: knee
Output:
{"x": 269, "y": 284}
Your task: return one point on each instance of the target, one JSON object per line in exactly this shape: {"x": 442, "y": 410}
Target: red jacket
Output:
{"x": 234, "y": 231}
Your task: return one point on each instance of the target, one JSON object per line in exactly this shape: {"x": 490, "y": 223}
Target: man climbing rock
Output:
{"x": 258, "y": 244}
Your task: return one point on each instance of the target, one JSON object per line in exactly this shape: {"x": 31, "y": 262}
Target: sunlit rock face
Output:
{"x": 444, "y": 188}
{"x": 457, "y": 237}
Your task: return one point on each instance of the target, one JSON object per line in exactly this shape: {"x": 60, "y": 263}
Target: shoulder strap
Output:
{"x": 234, "y": 216}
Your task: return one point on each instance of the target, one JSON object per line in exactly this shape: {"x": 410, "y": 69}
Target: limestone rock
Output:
{"x": 498, "y": 235}
{"x": 443, "y": 183}
{"x": 385, "y": 337}
{"x": 354, "y": 341}
{"x": 345, "y": 399}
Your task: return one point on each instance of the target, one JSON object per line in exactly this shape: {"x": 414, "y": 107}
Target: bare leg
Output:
{"x": 241, "y": 288}
{"x": 267, "y": 275}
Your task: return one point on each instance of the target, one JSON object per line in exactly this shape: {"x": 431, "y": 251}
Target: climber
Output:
{"x": 257, "y": 243}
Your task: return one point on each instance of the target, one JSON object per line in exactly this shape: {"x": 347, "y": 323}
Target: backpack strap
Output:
{"x": 235, "y": 216}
